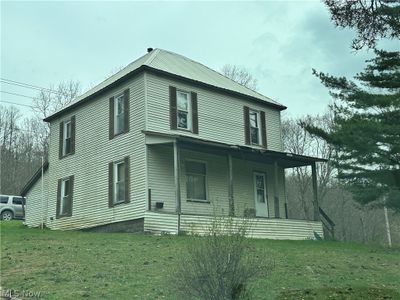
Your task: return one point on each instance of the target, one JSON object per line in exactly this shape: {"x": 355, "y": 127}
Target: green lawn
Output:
{"x": 74, "y": 265}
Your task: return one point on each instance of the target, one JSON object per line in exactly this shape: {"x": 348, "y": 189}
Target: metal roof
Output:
{"x": 177, "y": 65}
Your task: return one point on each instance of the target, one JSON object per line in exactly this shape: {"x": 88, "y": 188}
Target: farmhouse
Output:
{"x": 162, "y": 146}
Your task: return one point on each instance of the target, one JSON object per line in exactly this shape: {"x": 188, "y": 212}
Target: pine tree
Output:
{"x": 366, "y": 131}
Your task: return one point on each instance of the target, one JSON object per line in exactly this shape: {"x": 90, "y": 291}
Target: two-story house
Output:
{"x": 162, "y": 146}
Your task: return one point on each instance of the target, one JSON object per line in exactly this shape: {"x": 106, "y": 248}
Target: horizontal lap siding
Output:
{"x": 220, "y": 116}
{"x": 161, "y": 181}
{"x": 35, "y": 209}
{"x": 89, "y": 164}
{"x": 160, "y": 223}
{"x": 257, "y": 228}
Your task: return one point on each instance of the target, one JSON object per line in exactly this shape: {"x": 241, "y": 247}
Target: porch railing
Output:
{"x": 327, "y": 222}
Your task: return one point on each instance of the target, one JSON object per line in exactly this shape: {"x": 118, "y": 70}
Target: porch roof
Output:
{"x": 284, "y": 159}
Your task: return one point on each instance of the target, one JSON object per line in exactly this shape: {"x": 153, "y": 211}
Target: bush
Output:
{"x": 220, "y": 265}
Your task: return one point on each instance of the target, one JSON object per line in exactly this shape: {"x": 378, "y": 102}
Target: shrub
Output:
{"x": 220, "y": 265}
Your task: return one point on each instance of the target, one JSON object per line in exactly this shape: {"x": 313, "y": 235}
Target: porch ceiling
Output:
{"x": 284, "y": 159}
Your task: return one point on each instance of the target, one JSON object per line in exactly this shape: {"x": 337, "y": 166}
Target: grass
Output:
{"x": 87, "y": 265}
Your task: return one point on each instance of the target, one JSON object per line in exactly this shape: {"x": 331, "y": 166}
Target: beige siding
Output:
{"x": 36, "y": 202}
{"x": 161, "y": 182}
{"x": 257, "y": 228}
{"x": 89, "y": 164}
{"x": 220, "y": 116}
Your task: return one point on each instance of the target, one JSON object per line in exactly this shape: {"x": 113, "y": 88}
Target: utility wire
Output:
{"x": 16, "y": 94}
{"x": 27, "y": 85}
{"x": 9, "y": 102}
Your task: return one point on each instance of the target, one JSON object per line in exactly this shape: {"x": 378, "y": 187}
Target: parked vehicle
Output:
{"x": 12, "y": 207}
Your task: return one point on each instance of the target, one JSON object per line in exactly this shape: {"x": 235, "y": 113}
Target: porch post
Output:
{"x": 177, "y": 176}
{"x": 276, "y": 191}
{"x": 230, "y": 188}
{"x": 315, "y": 191}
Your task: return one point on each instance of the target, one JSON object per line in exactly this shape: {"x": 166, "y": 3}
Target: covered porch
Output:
{"x": 239, "y": 182}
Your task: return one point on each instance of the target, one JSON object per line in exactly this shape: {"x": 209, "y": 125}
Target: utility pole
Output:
{"x": 389, "y": 237}
{"x": 42, "y": 225}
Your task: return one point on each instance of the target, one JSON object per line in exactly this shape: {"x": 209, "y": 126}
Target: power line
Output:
{"x": 16, "y": 94}
{"x": 27, "y": 85}
{"x": 9, "y": 102}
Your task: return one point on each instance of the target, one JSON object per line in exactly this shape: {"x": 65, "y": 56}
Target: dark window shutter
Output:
{"x": 58, "y": 199}
{"x": 111, "y": 119}
{"x": 127, "y": 179}
{"x": 70, "y": 193}
{"x": 195, "y": 115}
{"x": 263, "y": 129}
{"x": 246, "y": 119}
{"x": 73, "y": 122}
{"x": 60, "y": 140}
{"x": 172, "y": 107}
{"x": 111, "y": 184}
{"x": 126, "y": 110}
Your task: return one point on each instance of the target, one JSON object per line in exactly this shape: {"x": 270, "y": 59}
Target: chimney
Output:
{"x": 149, "y": 50}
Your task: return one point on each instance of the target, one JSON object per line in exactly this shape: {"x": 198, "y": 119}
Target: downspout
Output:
{"x": 177, "y": 183}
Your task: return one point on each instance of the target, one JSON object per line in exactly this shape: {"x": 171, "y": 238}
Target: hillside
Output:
{"x": 74, "y": 265}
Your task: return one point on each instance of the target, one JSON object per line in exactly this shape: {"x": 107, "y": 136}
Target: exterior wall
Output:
{"x": 35, "y": 208}
{"x": 220, "y": 116}
{"x": 161, "y": 182}
{"x": 89, "y": 164}
{"x": 256, "y": 228}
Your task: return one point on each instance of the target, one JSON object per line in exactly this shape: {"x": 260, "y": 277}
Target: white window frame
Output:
{"x": 188, "y": 111}
{"x": 64, "y": 197}
{"x": 66, "y": 137}
{"x": 205, "y": 180}
{"x": 116, "y": 182}
{"x": 258, "y": 120}
{"x": 117, "y": 115}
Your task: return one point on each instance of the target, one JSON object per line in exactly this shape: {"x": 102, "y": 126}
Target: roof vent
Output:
{"x": 149, "y": 50}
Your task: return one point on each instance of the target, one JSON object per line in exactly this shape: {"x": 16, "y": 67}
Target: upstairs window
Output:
{"x": 254, "y": 127}
{"x": 119, "y": 114}
{"x": 118, "y": 182}
{"x": 64, "y": 197}
{"x": 67, "y": 137}
{"x": 255, "y": 132}
{"x": 183, "y": 110}
{"x": 196, "y": 180}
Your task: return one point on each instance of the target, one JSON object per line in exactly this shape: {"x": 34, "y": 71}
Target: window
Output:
{"x": 18, "y": 200}
{"x": 119, "y": 182}
{"x": 119, "y": 115}
{"x": 260, "y": 188}
{"x": 254, "y": 127}
{"x": 183, "y": 110}
{"x": 118, "y": 121}
{"x": 3, "y": 199}
{"x": 196, "y": 180}
{"x": 67, "y": 137}
{"x": 255, "y": 131}
{"x": 64, "y": 199}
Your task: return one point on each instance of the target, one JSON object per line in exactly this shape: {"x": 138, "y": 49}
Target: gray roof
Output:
{"x": 174, "y": 64}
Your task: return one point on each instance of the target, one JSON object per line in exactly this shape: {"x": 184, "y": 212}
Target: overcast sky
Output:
{"x": 44, "y": 43}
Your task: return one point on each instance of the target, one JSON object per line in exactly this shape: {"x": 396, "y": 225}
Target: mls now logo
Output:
{"x": 11, "y": 293}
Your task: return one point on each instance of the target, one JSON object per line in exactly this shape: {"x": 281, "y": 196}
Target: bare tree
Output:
{"x": 240, "y": 75}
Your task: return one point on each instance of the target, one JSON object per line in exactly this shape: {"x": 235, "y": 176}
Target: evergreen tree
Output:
{"x": 366, "y": 129}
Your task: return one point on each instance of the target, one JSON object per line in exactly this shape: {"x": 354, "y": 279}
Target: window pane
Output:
{"x": 64, "y": 205}
{"x": 3, "y": 199}
{"x": 67, "y": 130}
{"x": 196, "y": 187}
{"x": 182, "y": 100}
{"x": 120, "y": 192}
{"x": 17, "y": 200}
{"x": 66, "y": 188}
{"x": 253, "y": 119}
{"x": 120, "y": 172}
{"x": 120, "y": 105}
{"x": 182, "y": 119}
{"x": 195, "y": 167}
{"x": 260, "y": 196}
{"x": 259, "y": 182}
{"x": 119, "y": 126}
{"x": 67, "y": 146}
{"x": 254, "y": 136}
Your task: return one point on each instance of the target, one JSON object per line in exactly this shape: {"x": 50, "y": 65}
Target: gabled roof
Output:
{"x": 34, "y": 179}
{"x": 176, "y": 65}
